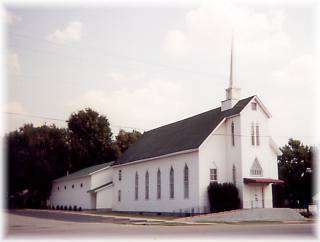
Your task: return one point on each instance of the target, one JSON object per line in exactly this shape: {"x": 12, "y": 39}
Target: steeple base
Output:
{"x": 228, "y": 104}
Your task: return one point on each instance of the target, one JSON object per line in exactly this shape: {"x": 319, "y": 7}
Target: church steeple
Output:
{"x": 232, "y": 92}
{"x": 231, "y": 64}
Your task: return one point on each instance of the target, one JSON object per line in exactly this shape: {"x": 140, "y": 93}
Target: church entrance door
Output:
{"x": 257, "y": 199}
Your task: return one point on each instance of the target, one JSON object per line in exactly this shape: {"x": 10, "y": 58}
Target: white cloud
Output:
{"x": 145, "y": 107}
{"x": 14, "y": 107}
{"x": 293, "y": 99}
{"x": 176, "y": 43}
{"x": 72, "y": 32}
{"x": 259, "y": 37}
{"x": 10, "y": 18}
{"x": 13, "y": 63}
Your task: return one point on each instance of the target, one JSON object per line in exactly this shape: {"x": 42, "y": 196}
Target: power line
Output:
{"x": 62, "y": 120}
{"x": 128, "y": 127}
{"x": 109, "y": 54}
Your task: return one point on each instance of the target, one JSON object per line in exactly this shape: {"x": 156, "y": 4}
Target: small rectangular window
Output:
{"x": 254, "y": 106}
{"x": 213, "y": 175}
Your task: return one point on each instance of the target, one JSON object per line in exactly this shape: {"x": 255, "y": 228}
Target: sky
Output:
{"x": 145, "y": 66}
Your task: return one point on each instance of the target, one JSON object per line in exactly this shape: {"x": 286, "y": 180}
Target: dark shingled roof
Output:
{"x": 185, "y": 134}
{"x": 84, "y": 172}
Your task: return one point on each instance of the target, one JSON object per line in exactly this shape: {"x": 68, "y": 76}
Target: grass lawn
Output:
{"x": 135, "y": 215}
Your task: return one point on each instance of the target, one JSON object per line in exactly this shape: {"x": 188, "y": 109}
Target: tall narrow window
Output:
{"x": 252, "y": 135}
{"x": 213, "y": 175}
{"x": 232, "y": 133}
{"x": 258, "y": 134}
{"x": 147, "y": 186}
{"x": 159, "y": 184}
{"x": 119, "y": 195}
{"x": 186, "y": 181}
{"x": 234, "y": 174}
{"x": 171, "y": 183}
{"x": 136, "y": 186}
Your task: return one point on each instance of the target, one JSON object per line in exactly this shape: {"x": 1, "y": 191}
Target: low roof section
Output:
{"x": 85, "y": 172}
{"x": 186, "y": 134}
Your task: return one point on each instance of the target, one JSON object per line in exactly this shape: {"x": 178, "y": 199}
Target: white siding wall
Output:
{"x": 101, "y": 177}
{"x": 266, "y": 156}
{"x": 218, "y": 152}
{"x": 104, "y": 198}
{"x": 165, "y": 204}
{"x": 77, "y": 196}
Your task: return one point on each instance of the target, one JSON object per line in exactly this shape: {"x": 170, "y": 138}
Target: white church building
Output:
{"x": 169, "y": 168}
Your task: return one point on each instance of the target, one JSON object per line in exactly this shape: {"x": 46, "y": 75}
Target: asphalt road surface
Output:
{"x": 32, "y": 223}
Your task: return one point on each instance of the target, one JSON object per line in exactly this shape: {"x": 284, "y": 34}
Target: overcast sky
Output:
{"x": 147, "y": 66}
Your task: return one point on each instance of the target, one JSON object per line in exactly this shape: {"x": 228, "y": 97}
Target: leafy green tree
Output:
{"x": 36, "y": 156}
{"x": 296, "y": 170}
{"x": 124, "y": 140}
{"x": 90, "y": 139}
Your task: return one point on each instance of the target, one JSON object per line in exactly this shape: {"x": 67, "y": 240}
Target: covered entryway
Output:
{"x": 256, "y": 188}
{"x": 101, "y": 197}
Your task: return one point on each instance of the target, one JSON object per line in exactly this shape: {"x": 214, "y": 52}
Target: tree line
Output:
{"x": 38, "y": 155}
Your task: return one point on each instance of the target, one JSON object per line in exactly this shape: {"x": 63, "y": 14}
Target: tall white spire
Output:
{"x": 232, "y": 92}
{"x": 231, "y": 80}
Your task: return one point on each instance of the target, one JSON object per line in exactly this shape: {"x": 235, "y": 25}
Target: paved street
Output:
{"x": 39, "y": 223}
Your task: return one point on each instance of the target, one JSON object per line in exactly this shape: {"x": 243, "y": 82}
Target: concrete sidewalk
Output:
{"x": 249, "y": 215}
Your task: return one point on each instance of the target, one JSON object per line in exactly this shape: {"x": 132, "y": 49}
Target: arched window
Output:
{"x": 256, "y": 169}
{"x": 147, "y": 186}
{"x": 234, "y": 174}
{"x": 159, "y": 184}
{"x": 232, "y": 133}
{"x": 257, "y": 134}
{"x": 171, "y": 182}
{"x": 186, "y": 181}
{"x": 136, "y": 186}
{"x": 252, "y": 134}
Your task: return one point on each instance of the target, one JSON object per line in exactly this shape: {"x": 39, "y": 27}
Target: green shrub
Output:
{"x": 223, "y": 197}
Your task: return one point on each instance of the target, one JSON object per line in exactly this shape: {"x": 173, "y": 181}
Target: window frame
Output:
{"x": 147, "y": 186}
{"x": 158, "y": 184}
{"x": 171, "y": 183}
{"x": 213, "y": 174}
{"x": 253, "y": 135}
{"x": 254, "y": 106}
{"x": 120, "y": 175}
{"x": 257, "y": 134}
{"x": 136, "y": 186}
{"x": 119, "y": 195}
{"x": 232, "y": 134}
{"x": 186, "y": 181}
{"x": 234, "y": 174}
{"x": 256, "y": 168}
